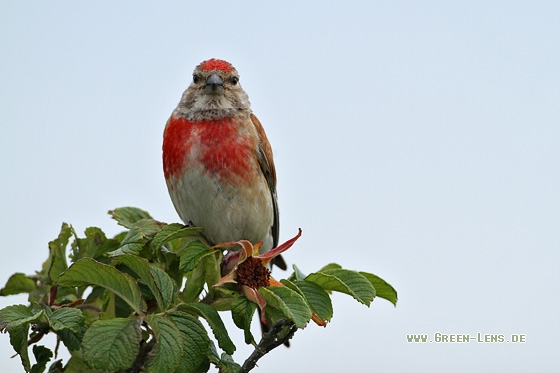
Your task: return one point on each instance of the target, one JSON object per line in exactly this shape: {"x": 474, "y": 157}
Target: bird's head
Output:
{"x": 214, "y": 92}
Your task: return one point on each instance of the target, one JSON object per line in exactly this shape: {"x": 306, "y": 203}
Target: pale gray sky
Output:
{"x": 419, "y": 141}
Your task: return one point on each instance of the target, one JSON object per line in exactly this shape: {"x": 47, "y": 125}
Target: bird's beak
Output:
{"x": 214, "y": 85}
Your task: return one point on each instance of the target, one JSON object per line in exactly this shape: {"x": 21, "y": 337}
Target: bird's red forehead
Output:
{"x": 214, "y": 64}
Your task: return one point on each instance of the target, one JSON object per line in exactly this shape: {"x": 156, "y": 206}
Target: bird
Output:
{"x": 218, "y": 162}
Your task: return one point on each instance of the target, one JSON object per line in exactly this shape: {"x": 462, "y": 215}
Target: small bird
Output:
{"x": 218, "y": 163}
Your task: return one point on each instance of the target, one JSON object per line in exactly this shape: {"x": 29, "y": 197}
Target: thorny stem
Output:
{"x": 268, "y": 342}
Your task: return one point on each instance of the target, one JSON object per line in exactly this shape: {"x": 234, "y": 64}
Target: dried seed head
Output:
{"x": 253, "y": 273}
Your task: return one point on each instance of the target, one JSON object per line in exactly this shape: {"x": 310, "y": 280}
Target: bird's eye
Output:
{"x": 195, "y": 78}
{"x": 234, "y": 80}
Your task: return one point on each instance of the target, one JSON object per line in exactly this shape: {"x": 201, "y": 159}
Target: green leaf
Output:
{"x": 56, "y": 264}
{"x": 242, "y": 311}
{"x": 382, "y": 288}
{"x": 194, "y": 252}
{"x": 137, "y": 237}
{"x": 172, "y": 232}
{"x": 112, "y": 344}
{"x": 161, "y": 285}
{"x": 18, "y": 283}
{"x": 195, "y": 342}
{"x": 288, "y": 302}
{"x": 56, "y": 367}
{"x": 14, "y": 316}
{"x": 224, "y": 297}
{"x": 128, "y": 216}
{"x": 90, "y": 272}
{"x": 94, "y": 245}
{"x": 18, "y": 340}
{"x": 298, "y": 275}
{"x": 166, "y": 286}
{"x": 345, "y": 281}
{"x": 76, "y": 364}
{"x": 168, "y": 351}
{"x": 213, "y": 270}
{"x": 195, "y": 283}
{"x": 226, "y": 364}
{"x": 214, "y": 320}
{"x": 214, "y": 357}
{"x": 171, "y": 263}
{"x": 67, "y": 318}
{"x": 42, "y": 356}
{"x": 330, "y": 266}
{"x": 72, "y": 341}
{"x": 318, "y": 299}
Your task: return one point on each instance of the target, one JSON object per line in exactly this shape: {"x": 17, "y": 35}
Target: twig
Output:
{"x": 268, "y": 342}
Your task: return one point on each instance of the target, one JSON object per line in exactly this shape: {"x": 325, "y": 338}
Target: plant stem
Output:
{"x": 269, "y": 341}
